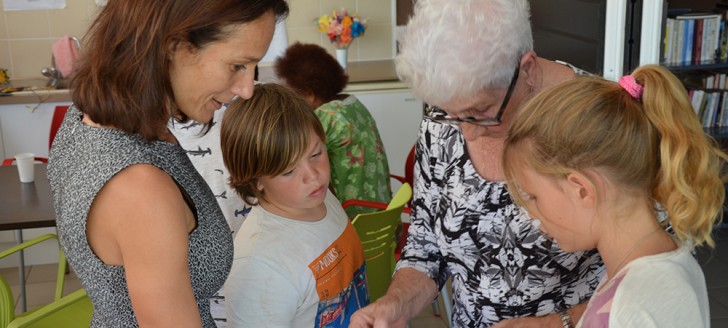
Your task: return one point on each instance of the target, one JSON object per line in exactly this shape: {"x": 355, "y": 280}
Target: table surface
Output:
{"x": 25, "y": 205}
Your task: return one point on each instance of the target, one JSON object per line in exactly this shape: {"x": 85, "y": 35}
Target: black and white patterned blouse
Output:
{"x": 467, "y": 228}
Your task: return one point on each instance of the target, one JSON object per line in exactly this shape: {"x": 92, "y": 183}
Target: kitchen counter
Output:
{"x": 36, "y": 97}
{"x": 34, "y": 91}
{"x": 364, "y": 76}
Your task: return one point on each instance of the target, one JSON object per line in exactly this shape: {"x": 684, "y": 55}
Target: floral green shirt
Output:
{"x": 359, "y": 168}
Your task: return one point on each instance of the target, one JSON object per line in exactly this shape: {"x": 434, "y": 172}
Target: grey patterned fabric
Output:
{"x": 82, "y": 160}
{"x": 467, "y": 228}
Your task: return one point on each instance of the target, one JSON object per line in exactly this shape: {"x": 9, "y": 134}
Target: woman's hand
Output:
{"x": 386, "y": 312}
{"x": 408, "y": 294}
{"x": 551, "y": 320}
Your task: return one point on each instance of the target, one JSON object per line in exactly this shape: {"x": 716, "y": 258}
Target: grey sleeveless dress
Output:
{"x": 82, "y": 160}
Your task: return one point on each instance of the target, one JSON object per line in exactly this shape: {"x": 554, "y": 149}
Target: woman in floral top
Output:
{"x": 359, "y": 168}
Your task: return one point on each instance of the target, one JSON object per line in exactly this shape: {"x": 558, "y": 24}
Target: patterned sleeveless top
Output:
{"x": 82, "y": 161}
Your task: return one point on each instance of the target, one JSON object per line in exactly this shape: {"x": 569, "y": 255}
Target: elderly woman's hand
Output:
{"x": 551, "y": 320}
{"x": 386, "y": 312}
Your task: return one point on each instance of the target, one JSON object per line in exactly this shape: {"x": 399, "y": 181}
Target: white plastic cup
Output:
{"x": 26, "y": 166}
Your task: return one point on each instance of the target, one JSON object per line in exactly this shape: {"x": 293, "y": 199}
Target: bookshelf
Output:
{"x": 694, "y": 44}
{"x": 695, "y": 73}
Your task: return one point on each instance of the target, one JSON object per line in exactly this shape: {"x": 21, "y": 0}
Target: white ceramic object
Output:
{"x": 341, "y": 56}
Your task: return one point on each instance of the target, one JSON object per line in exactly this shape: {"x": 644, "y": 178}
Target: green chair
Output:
{"x": 378, "y": 234}
{"x": 72, "y": 310}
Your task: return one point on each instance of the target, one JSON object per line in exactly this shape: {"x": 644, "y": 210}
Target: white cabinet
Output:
{"x": 25, "y": 128}
{"x": 398, "y": 114}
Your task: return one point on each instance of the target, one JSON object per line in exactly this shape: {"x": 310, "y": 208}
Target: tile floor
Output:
{"x": 41, "y": 281}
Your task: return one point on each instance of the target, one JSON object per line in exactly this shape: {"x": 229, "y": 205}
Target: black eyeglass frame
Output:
{"x": 490, "y": 121}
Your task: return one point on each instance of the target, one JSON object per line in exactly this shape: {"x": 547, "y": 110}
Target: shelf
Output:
{"x": 717, "y": 132}
{"x": 711, "y": 66}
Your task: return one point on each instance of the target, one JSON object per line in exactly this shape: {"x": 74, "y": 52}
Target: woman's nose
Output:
{"x": 243, "y": 87}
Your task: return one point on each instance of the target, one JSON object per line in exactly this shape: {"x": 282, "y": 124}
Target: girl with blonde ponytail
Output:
{"x": 596, "y": 162}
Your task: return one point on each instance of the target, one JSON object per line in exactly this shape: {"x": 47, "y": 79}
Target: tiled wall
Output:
{"x": 26, "y": 36}
{"x": 377, "y": 43}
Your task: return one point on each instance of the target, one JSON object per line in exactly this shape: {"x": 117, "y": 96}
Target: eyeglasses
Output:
{"x": 431, "y": 111}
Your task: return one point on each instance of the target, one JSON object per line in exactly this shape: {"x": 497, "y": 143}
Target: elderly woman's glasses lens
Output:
{"x": 431, "y": 112}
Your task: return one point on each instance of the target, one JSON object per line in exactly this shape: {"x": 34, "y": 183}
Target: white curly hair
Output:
{"x": 453, "y": 49}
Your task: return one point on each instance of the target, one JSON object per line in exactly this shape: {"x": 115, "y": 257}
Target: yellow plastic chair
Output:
{"x": 72, "y": 310}
{"x": 377, "y": 232}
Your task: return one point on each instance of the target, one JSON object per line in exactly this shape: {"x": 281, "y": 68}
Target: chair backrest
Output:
{"x": 8, "y": 308}
{"x": 409, "y": 167}
{"x": 377, "y": 232}
{"x": 7, "y": 303}
{"x": 10, "y": 161}
{"x": 58, "y": 114}
{"x": 71, "y": 311}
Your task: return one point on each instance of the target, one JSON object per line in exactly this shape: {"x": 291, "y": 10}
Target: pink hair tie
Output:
{"x": 628, "y": 83}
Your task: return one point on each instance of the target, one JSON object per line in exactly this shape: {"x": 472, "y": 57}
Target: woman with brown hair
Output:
{"x": 138, "y": 224}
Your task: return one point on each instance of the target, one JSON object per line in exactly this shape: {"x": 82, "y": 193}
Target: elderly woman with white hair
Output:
{"x": 473, "y": 62}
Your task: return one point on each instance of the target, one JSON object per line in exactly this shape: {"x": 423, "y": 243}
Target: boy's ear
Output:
{"x": 581, "y": 189}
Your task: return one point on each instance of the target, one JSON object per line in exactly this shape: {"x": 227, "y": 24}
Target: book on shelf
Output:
{"x": 711, "y": 107}
{"x": 692, "y": 38}
{"x": 697, "y": 44}
{"x": 696, "y": 99}
{"x": 688, "y": 43}
{"x": 715, "y": 110}
{"x": 668, "y": 41}
{"x": 723, "y": 117}
{"x": 722, "y": 10}
{"x": 705, "y": 110}
{"x": 723, "y": 46}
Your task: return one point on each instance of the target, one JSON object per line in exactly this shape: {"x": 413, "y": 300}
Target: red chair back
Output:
{"x": 10, "y": 161}
{"x": 409, "y": 167}
{"x": 409, "y": 177}
{"x": 58, "y": 114}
